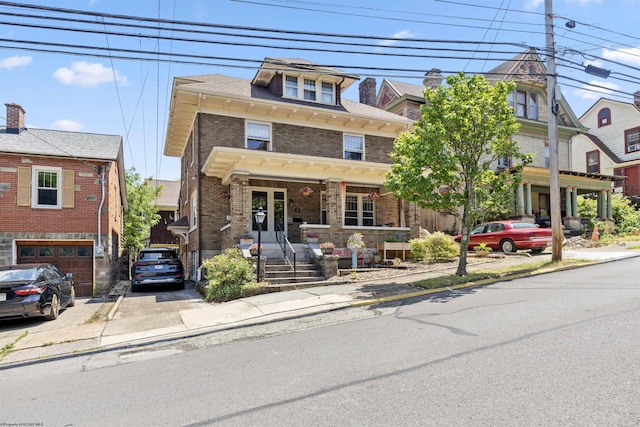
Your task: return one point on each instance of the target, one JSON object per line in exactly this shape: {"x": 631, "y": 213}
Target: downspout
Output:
{"x": 199, "y": 198}
{"x": 100, "y": 207}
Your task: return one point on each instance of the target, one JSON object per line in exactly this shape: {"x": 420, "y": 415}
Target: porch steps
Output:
{"x": 279, "y": 272}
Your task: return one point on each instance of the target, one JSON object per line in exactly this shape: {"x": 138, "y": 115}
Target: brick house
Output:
{"x": 612, "y": 144}
{"x": 530, "y": 104}
{"x": 62, "y": 196}
{"x": 246, "y": 144}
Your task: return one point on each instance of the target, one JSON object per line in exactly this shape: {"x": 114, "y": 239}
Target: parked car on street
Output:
{"x": 509, "y": 236}
{"x": 32, "y": 290}
{"x": 157, "y": 266}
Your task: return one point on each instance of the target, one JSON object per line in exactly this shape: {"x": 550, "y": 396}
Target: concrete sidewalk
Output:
{"x": 193, "y": 316}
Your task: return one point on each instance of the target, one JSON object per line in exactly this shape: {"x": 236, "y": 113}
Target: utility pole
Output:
{"x": 554, "y": 170}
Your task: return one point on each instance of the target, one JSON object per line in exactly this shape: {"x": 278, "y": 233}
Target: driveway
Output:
{"x": 39, "y": 331}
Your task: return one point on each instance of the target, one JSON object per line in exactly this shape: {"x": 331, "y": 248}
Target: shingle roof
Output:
{"x": 58, "y": 143}
{"x": 170, "y": 192}
{"x": 220, "y": 84}
{"x": 406, "y": 88}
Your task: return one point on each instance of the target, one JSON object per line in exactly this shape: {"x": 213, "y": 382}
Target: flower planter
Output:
{"x": 395, "y": 248}
{"x": 482, "y": 253}
{"x": 327, "y": 251}
{"x": 312, "y": 239}
{"x": 253, "y": 253}
{"x": 246, "y": 241}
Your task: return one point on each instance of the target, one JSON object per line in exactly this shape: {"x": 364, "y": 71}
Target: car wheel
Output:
{"x": 72, "y": 301}
{"x": 507, "y": 245}
{"x": 54, "y": 308}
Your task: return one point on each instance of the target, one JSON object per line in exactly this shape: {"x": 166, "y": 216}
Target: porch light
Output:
{"x": 260, "y": 215}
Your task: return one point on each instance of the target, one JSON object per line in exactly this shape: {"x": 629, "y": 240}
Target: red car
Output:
{"x": 509, "y": 236}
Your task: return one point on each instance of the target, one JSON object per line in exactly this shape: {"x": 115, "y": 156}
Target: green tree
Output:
{"x": 445, "y": 163}
{"x": 142, "y": 213}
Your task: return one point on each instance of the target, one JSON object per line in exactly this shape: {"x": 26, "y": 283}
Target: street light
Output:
{"x": 259, "y": 219}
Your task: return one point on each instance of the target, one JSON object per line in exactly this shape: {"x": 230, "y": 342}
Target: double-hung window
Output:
{"x": 46, "y": 187}
{"x": 632, "y": 139}
{"x": 291, "y": 86}
{"x": 359, "y": 210}
{"x": 258, "y": 136}
{"x": 193, "y": 210}
{"x": 327, "y": 93}
{"x": 593, "y": 161}
{"x": 353, "y": 147}
{"x": 309, "y": 90}
{"x": 504, "y": 162}
{"x": 525, "y": 104}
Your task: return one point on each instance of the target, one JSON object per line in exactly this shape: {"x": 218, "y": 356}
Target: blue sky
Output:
{"x": 129, "y": 97}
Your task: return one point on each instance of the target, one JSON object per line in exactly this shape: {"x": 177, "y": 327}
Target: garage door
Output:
{"x": 69, "y": 257}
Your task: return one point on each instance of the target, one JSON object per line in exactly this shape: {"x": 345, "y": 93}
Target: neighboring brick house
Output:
{"x": 246, "y": 144}
{"x": 167, "y": 203}
{"x": 529, "y": 101}
{"x": 612, "y": 144}
{"x": 53, "y": 184}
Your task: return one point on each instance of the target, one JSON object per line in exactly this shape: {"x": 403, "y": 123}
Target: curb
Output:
{"x": 472, "y": 284}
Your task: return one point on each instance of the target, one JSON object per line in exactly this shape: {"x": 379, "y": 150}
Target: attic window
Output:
{"x": 525, "y": 105}
{"x": 313, "y": 90}
{"x": 604, "y": 117}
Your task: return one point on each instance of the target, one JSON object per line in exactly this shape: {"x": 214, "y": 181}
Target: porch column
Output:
{"x": 240, "y": 204}
{"x": 609, "y": 204}
{"x": 520, "y": 199}
{"x": 567, "y": 201}
{"x": 529, "y": 210}
{"x": 600, "y": 205}
{"x": 334, "y": 207}
{"x": 574, "y": 202}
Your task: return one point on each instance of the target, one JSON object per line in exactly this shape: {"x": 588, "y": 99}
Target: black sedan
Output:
{"x": 34, "y": 290}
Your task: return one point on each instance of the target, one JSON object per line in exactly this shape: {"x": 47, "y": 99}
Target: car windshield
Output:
{"x": 150, "y": 256}
{"x": 18, "y": 275}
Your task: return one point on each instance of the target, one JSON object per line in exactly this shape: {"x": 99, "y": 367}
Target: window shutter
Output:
{"x": 68, "y": 189}
{"x": 24, "y": 186}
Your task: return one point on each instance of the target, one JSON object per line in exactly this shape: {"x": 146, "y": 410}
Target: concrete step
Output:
{"x": 292, "y": 281}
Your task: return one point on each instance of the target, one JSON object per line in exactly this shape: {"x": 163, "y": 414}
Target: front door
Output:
{"x": 273, "y": 204}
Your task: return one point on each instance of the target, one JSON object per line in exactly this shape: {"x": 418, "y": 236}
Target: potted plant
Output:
{"x": 327, "y": 248}
{"x": 253, "y": 249}
{"x": 312, "y": 237}
{"x": 482, "y": 249}
{"x": 306, "y": 191}
{"x": 246, "y": 239}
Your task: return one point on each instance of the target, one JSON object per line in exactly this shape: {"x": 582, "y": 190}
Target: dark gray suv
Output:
{"x": 157, "y": 266}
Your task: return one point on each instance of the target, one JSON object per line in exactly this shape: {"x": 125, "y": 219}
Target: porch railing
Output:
{"x": 287, "y": 250}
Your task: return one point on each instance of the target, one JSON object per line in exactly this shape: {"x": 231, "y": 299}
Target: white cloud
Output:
{"x": 532, "y": 4}
{"x": 590, "y": 92}
{"x": 15, "y": 61}
{"x": 584, "y": 2}
{"x": 630, "y": 56}
{"x": 404, "y": 34}
{"x": 68, "y": 125}
{"x": 87, "y": 74}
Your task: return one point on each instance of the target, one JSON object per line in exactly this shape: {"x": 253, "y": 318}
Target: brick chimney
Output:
{"x": 636, "y": 98}
{"x": 367, "y": 90}
{"x": 432, "y": 78}
{"x": 15, "y": 118}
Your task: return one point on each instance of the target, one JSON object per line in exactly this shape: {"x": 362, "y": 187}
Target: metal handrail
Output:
{"x": 287, "y": 250}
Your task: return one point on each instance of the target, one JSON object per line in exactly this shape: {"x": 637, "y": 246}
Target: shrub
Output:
{"x": 229, "y": 276}
{"x": 436, "y": 247}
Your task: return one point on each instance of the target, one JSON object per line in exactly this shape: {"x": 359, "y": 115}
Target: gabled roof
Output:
{"x": 57, "y": 143}
{"x": 168, "y": 197}
{"x": 603, "y": 100}
{"x": 402, "y": 88}
{"x": 525, "y": 66}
